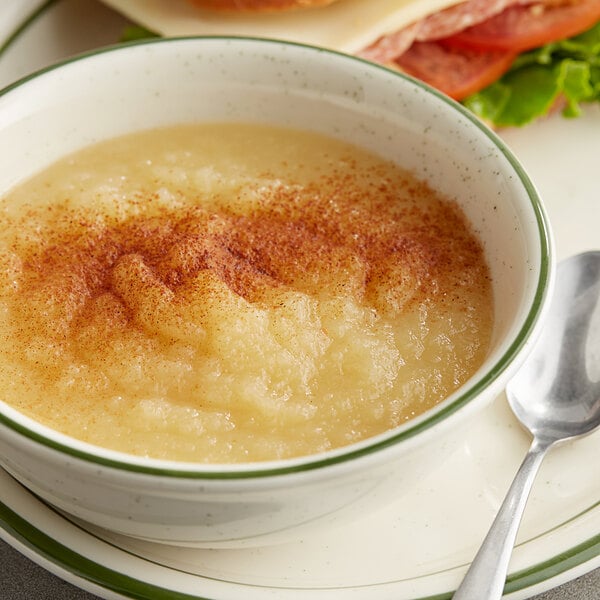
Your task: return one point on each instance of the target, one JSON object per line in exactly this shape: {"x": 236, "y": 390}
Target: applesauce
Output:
{"x": 233, "y": 292}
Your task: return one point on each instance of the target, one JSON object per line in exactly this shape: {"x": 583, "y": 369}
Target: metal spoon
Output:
{"x": 556, "y": 396}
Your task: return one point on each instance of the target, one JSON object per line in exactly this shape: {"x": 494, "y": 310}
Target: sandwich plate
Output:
{"x": 414, "y": 549}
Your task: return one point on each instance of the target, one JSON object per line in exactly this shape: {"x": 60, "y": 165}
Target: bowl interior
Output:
{"x": 116, "y": 91}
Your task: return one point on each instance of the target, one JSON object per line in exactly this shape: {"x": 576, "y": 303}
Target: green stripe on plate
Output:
{"x": 21, "y": 27}
{"x": 67, "y": 559}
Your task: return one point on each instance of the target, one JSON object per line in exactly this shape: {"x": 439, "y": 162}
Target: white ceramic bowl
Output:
{"x": 119, "y": 90}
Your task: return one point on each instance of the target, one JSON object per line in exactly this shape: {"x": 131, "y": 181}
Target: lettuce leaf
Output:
{"x": 568, "y": 70}
{"x": 133, "y": 33}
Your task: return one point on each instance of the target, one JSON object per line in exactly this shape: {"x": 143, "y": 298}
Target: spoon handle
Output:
{"x": 487, "y": 574}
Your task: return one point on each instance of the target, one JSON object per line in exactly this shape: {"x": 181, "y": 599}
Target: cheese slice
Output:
{"x": 345, "y": 25}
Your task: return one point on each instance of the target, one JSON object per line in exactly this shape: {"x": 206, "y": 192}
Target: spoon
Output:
{"x": 556, "y": 396}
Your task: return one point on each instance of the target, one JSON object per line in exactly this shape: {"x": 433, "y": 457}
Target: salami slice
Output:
{"x": 454, "y": 20}
{"x": 451, "y": 20}
{"x": 387, "y": 48}
{"x": 436, "y": 26}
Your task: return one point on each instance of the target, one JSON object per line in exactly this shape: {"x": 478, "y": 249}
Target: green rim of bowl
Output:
{"x": 190, "y": 470}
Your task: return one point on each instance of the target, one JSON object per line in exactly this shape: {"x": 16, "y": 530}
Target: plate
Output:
{"x": 416, "y": 548}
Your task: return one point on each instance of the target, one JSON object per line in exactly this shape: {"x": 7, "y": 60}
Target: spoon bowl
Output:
{"x": 556, "y": 396}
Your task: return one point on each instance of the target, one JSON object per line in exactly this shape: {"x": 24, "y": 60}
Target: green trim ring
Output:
{"x": 410, "y": 431}
{"x": 45, "y": 547}
{"x": 29, "y": 20}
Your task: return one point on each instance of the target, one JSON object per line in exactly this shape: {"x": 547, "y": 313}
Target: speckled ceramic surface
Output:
{"x": 167, "y": 81}
{"x": 369, "y": 559}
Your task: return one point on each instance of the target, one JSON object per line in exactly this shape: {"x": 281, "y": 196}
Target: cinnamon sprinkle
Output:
{"x": 317, "y": 241}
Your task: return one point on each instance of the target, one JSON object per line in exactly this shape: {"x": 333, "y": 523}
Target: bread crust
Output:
{"x": 259, "y": 5}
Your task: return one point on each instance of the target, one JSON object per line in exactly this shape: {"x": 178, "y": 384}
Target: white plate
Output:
{"x": 416, "y": 548}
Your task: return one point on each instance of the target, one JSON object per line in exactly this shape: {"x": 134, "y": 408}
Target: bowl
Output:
{"x": 148, "y": 84}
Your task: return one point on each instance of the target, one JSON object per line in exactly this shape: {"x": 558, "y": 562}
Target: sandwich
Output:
{"x": 259, "y": 5}
{"x": 509, "y": 61}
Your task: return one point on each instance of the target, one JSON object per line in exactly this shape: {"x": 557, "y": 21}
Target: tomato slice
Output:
{"x": 458, "y": 72}
{"x": 520, "y": 28}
